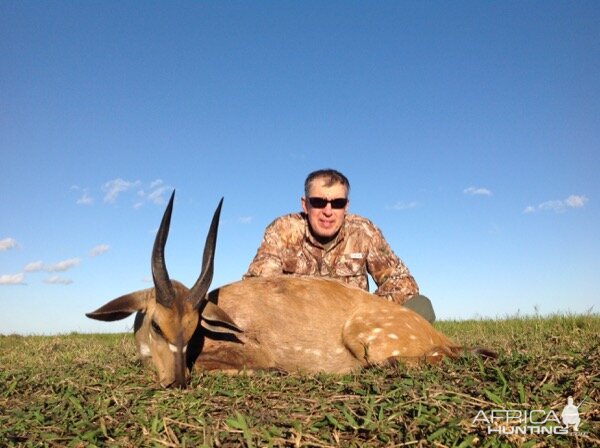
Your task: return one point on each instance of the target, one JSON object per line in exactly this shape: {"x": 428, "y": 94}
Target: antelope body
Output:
{"x": 309, "y": 324}
{"x": 283, "y": 322}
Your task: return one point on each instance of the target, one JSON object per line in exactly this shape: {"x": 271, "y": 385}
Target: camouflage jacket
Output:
{"x": 288, "y": 247}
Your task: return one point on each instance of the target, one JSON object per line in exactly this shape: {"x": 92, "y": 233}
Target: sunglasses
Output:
{"x": 322, "y": 202}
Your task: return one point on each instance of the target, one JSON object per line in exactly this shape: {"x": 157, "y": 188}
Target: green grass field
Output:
{"x": 89, "y": 390}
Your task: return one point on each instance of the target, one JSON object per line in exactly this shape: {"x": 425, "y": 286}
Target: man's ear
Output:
{"x": 121, "y": 307}
{"x": 304, "y": 203}
{"x": 216, "y": 320}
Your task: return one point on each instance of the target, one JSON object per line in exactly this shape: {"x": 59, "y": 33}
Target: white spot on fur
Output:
{"x": 392, "y": 336}
{"x": 388, "y": 324}
{"x": 145, "y": 350}
{"x": 377, "y": 330}
{"x": 412, "y": 337}
{"x": 315, "y": 352}
{"x": 396, "y": 353}
{"x": 372, "y": 338}
{"x": 340, "y": 350}
{"x": 435, "y": 354}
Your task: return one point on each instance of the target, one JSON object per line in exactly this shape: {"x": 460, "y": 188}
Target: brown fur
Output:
{"x": 309, "y": 324}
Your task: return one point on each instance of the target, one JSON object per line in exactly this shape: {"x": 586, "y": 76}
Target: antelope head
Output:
{"x": 170, "y": 315}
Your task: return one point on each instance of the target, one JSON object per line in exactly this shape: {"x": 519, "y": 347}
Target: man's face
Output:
{"x": 325, "y": 222}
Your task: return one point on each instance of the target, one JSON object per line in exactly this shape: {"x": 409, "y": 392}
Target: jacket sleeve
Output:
{"x": 268, "y": 260}
{"x": 394, "y": 280}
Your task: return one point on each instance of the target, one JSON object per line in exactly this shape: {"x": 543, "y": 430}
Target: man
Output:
{"x": 326, "y": 241}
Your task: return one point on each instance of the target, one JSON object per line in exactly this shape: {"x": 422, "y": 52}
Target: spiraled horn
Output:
{"x": 162, "y": 283}
{"x": 201, "y": 286}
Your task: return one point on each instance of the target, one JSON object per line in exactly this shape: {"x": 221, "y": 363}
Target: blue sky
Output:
{"x": 470, "y": 132}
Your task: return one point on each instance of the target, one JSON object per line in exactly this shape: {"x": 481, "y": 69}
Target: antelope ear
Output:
{"x": 215, "y": 319}
{"x": 121, "y": 307}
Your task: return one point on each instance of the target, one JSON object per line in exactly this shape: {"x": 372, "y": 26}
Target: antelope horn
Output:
{"x": 201, "y": 286}
{"x": 162, "y": 283}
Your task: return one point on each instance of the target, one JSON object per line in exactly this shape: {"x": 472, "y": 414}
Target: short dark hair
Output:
{"x": 332, "y": 177}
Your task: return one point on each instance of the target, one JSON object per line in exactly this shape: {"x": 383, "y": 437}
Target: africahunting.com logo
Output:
{"x": 536, "y": 421}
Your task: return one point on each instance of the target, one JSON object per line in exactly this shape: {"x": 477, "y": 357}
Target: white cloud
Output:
{"x": 85, "y": 199}
{"x": 35, "y": 266}
{"x": 8, "y": 243}
{"x": 158, "y": 196}
{"x": 477, "y": 191}
{"x": 575, "y": 201}
{"x": 246, "y": 219}
{"x": 158, "y": 190}
{"x": 12, "y": 279}
{"x": 156, "y": 183}
{"x": 61, "y": 266}
{"x": 558, "y": 205}
{"x": 57, "y": 280}
{"x": 99, "y": 250}
{"x": 64, "y": 265}
{"x": 117, "y": 186}
{"x": 404, "y": 205}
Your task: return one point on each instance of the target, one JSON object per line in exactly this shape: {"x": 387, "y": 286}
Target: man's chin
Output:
{"x": 326, "y": 234}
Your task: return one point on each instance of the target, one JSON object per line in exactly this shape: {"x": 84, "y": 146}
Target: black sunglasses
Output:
{"x": 322, "y": 202}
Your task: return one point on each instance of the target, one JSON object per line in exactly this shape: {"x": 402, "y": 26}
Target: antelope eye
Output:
{"x": 157, "y": 329}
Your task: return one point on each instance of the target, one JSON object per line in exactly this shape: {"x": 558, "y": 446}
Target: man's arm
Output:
{"x": 269, "y": 260}
{"x": 394, "y": 281}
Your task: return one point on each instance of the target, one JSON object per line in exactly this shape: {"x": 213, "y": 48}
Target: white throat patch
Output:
{"x": 145, "y": 350}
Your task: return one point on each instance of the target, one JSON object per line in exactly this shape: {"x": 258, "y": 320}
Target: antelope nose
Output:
{"x": 180, "y": 384}
{"x": 177, "y": 383}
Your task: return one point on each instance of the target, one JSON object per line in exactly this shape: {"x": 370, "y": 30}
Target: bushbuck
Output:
{"x": 284, "y": 322}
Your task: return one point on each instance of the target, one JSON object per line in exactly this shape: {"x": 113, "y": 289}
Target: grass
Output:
{"x": 88, "y": 390}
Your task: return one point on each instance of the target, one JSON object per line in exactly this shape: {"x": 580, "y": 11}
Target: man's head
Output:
{"x": 325, "y": 202}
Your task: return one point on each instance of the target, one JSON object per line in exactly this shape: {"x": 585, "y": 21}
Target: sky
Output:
{"x": 470, "y": 132}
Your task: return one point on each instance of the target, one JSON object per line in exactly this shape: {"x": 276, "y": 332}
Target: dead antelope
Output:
{"x": 285, "y": 323}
